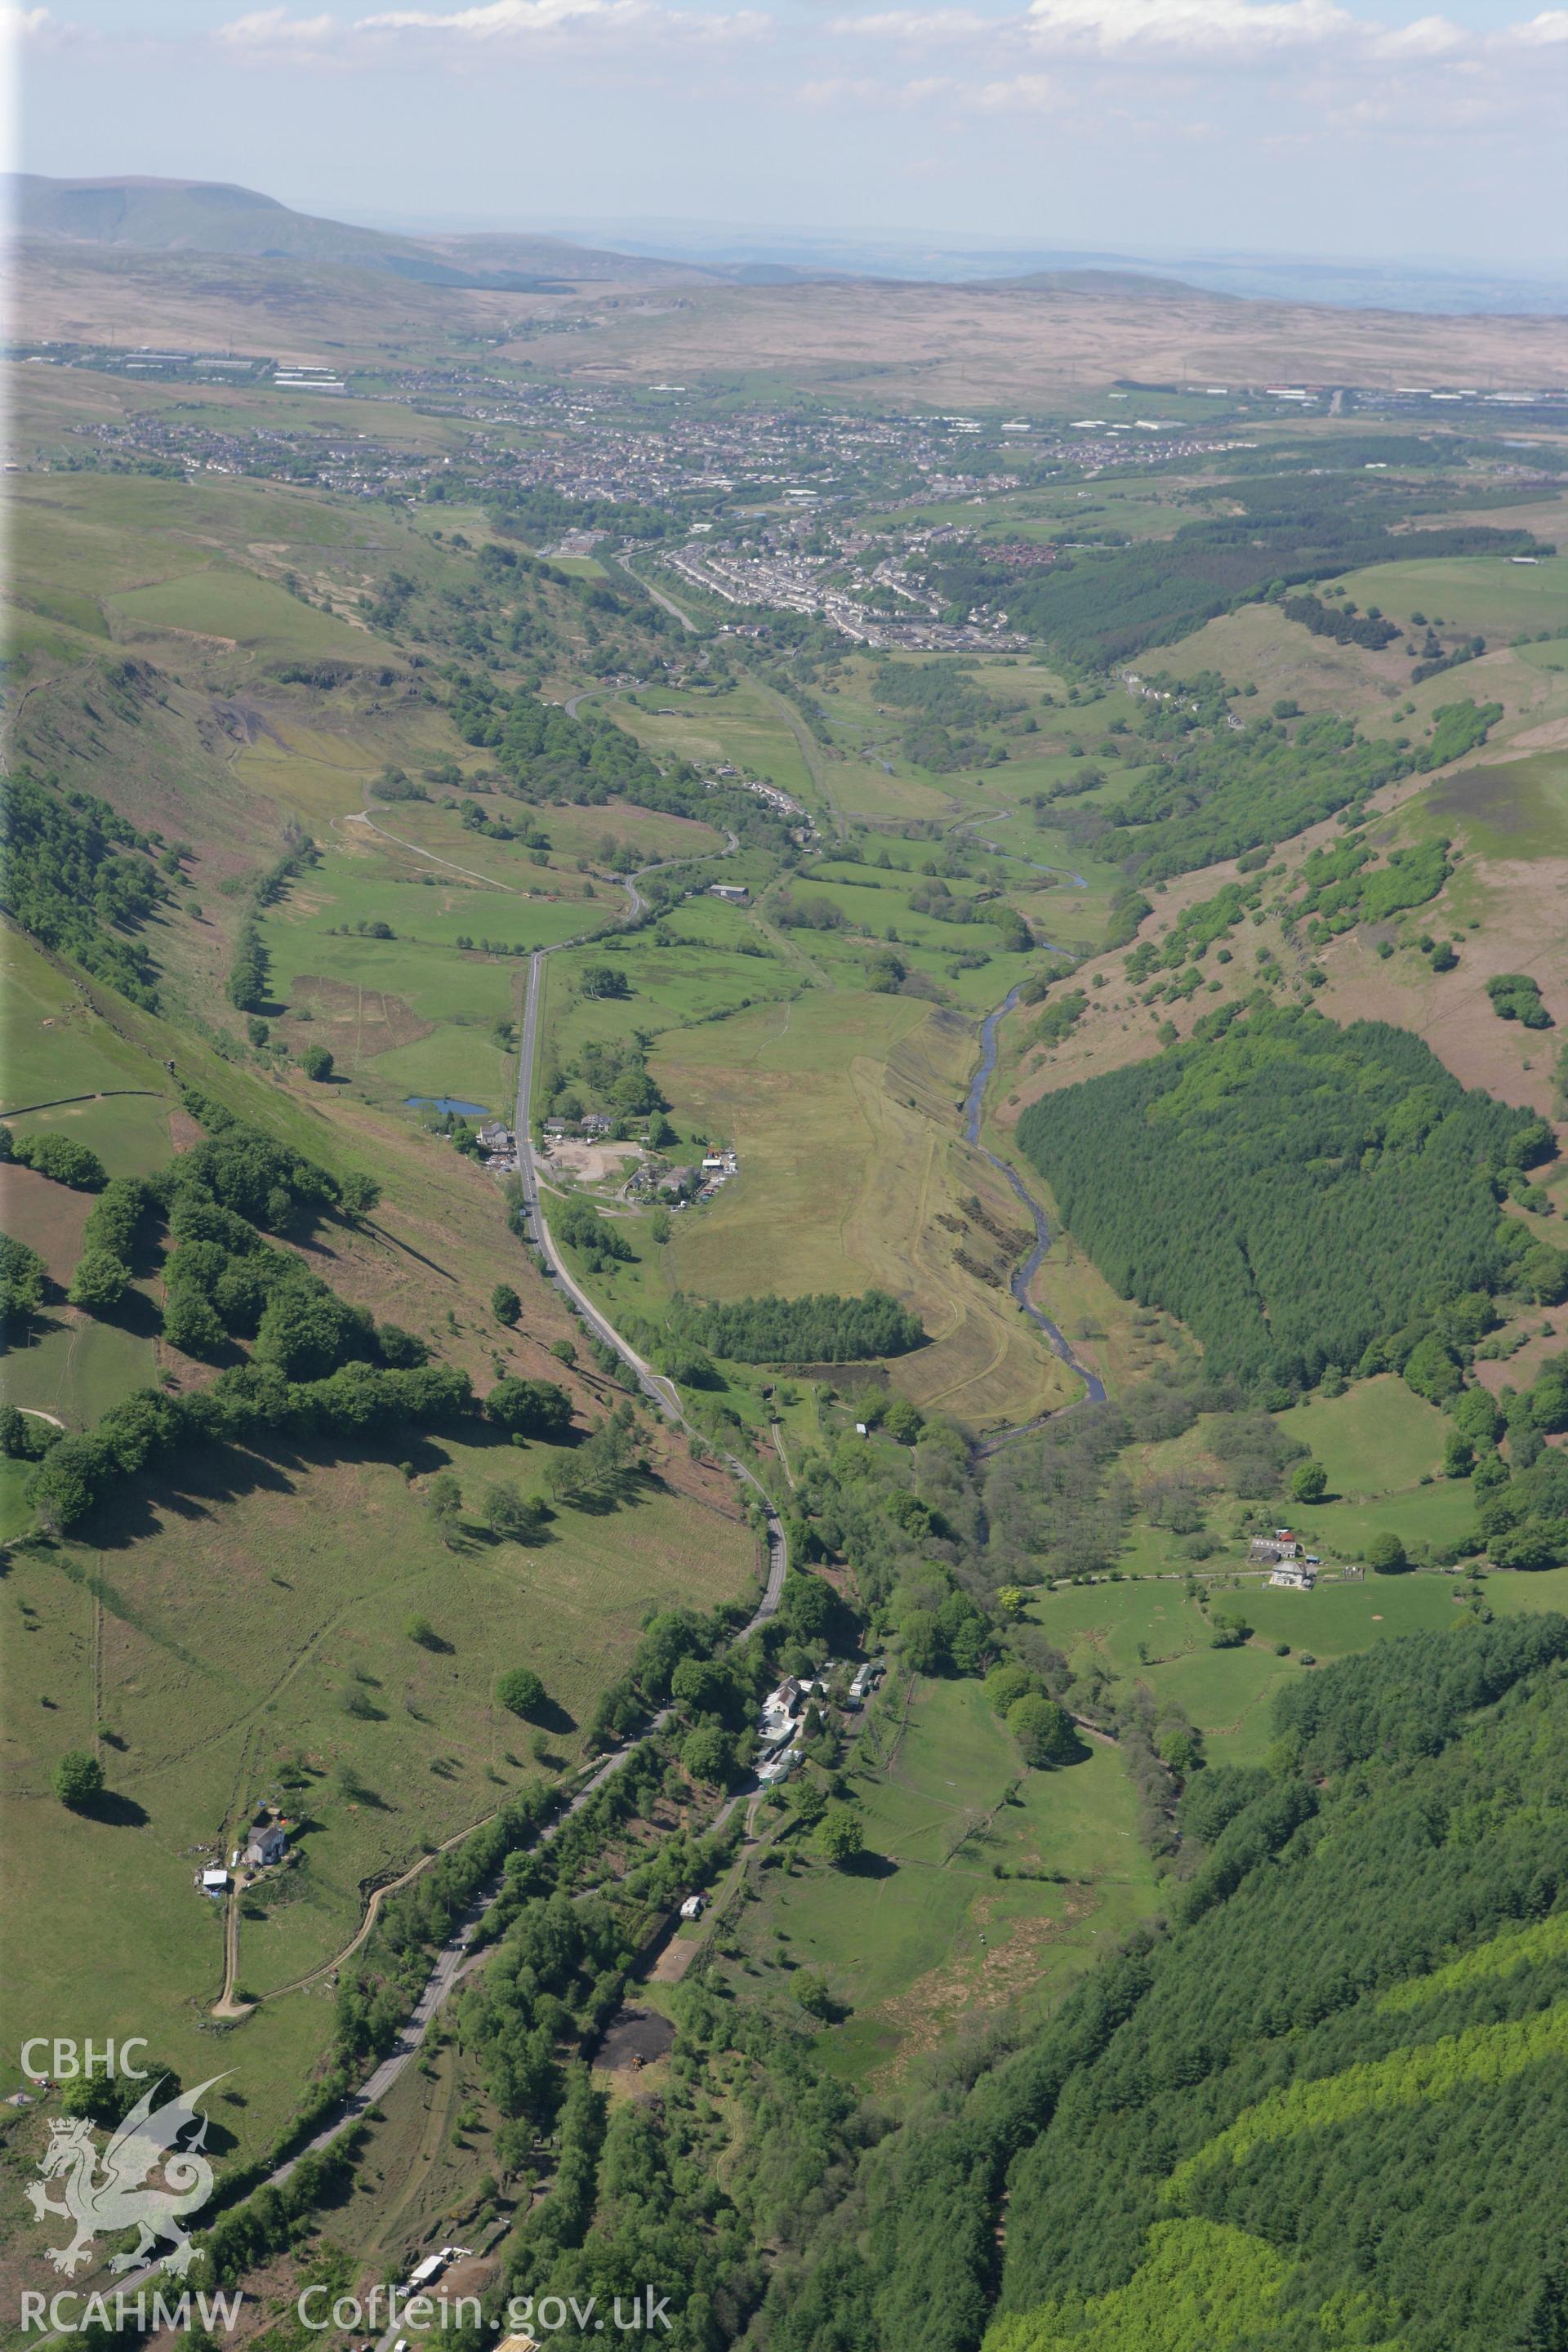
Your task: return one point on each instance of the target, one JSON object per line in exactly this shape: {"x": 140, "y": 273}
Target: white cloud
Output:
{"x": 498, "y": 18}
{"x": 1177, "y": 33}
{"x": 274, "y": 27}
{"x": 322, "y": 39}
{"x": 1189, "y": 24}
{"x": 839, "y": 90}
{"x": 1429, "y": 36}
{"x": 918, "y": 24}
{"x": 1027, "y": 93}
{"x": 504, "y": 20}
{"x": 863, "y": 91}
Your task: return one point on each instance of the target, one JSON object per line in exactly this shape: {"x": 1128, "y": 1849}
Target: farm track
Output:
{"x": 364, "y": 816}
{"x": 776, "y": 1431}
{"x": 1079, "y": 881}
{"x": 374, "y": 1902}
{"x": 301, "y": 1658}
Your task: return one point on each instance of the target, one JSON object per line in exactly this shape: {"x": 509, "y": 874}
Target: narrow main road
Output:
{"x": 452, "y": 1963}
{"x": 666, "y": 603}
{"x": 653, "y": 1385}
{"x": 455, "y": 1959}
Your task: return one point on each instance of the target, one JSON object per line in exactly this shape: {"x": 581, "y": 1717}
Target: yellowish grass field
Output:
{"x": 843, "y": 1110}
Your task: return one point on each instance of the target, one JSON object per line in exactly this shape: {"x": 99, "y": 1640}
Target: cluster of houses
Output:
{"x": 595, "y": 1125}
{"x": 769, "y": 794}
{"x": 1286, "y": 1557}
{"x": 781, "y": 1723}
{"x": 266, "y": 1844}
{"x": 718, "y": 1166}
{"x": 679, "y": 1185}
{"x": 695, "y": 1181}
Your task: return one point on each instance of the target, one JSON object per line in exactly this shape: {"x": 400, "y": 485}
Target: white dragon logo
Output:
{"x": 120, "y": 2196}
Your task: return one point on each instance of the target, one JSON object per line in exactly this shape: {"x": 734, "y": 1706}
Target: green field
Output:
{"x": 1376, "y": 1439}
{"x": 967, "y": 962}
{"x": 75, "y": 1366}
{"x": 223, "y": 601}
{"x": 740, "y": 726}
{"x": 1518, "y": 809}
{"x": 51, "y": 1043}
{"x": 1382, "y": 1446}
{"x": 1485, "y": 593}
{"x": 400, "y": 1017}
{"x": 924, "y": 1932}
{"x": 445, "y": 841}
{"x": 598, "y": 833}
{"x": 129, "y": 1131}
{"x": 825, "y": 1097}
{"x": 413, "y": 1015}
{"x": 193, "y": 1707}
{"x": 706, "y": 962}
{"x": 841, "y": 1110}
{"x": 1145, "y": 1630}
{"x": 94, "y": 538}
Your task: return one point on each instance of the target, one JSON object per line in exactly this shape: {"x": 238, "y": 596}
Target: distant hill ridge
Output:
{"x": 1087, "y": 280}
{"x": 213, "y": 216}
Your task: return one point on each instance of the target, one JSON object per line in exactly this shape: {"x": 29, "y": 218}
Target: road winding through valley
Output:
{"x": 455, "y": 1958}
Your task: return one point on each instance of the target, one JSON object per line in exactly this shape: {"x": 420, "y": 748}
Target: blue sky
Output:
{"x": 1348, "y": 127}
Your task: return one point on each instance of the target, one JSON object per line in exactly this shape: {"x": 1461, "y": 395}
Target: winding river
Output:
{"x": 973, "y": 1111}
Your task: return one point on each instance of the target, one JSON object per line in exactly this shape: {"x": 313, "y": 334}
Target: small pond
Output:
{"x": 447, "y": 1103}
